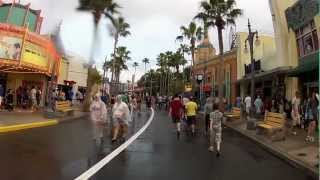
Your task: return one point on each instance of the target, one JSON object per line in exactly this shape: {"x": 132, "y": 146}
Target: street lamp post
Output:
{"x": 250, "y": 41}
{"x": 199, "y": 78}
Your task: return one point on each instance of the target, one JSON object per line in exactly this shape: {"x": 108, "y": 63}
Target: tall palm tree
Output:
{"x": 192, "y": 33}
{"x": 97, "y": 8}
{"x": 119, "y": 29}
{"x": 145, "y": 61}
{"x": 135, "y": 65}
{"x": 120, "y": 59}
{"x": 219, "y": 13}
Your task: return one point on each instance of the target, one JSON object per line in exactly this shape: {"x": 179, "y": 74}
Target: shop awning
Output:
{"x": 267, "y": 74}
{"x": 305, "y": 66}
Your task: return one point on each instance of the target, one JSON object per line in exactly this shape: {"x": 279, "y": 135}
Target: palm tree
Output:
{"x": 97, "y": 8}
{"x": 192, "y": 33}
{"x": 145, "y": 61}
{"x": 219, "y": 13}
{"x": 119, "y": 29}
{"x": 120, "y": 59}
{"x": 135, "y": 65}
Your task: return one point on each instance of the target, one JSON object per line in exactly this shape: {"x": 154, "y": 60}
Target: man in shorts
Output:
{"x": 175, "y": 111}
{"x": 191, "y": 111}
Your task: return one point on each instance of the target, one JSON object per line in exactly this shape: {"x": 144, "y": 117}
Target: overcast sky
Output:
{"x": 154, "y": 26}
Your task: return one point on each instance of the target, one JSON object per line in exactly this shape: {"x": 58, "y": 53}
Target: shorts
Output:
{"x": 117, "y": 121}
{"x": 191, "y": 120}
{"x": 248, "y": 110}
{"x": 34, "y": 102}
{"x": 175, "y": 119}
{"x": 296, "y": 119}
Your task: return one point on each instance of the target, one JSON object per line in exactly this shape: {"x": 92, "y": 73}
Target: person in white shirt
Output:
{"x": 33, "y": 94}
{"x": 295, "y": 113}
{"x": 247, "y": 102}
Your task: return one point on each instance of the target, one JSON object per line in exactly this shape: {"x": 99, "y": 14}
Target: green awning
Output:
{"x": 306, "y": 64}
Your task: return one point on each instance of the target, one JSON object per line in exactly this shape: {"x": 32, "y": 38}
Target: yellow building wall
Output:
{"x": 64, "y": 68}
{"x": 264, "y": 51}
{"x": 285, "y": 39}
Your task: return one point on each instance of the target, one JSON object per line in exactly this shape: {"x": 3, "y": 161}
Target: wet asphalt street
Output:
{"x": 59, "y": 152}
{"x": 66, "y": 150}
{"x": 158, "y": 155}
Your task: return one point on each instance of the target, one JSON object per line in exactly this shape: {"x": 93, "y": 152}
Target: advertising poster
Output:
{"x": 35, "y": 55}
{"x": 10, "y": 47}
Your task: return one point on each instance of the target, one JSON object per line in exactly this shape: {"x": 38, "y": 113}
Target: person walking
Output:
{"x": 207, "y": 110}
{"x": 38, "y": 96}
{"x": 215, "y": 129}
{"x": 176, "y": 112}
{"x": 295, "y": 113}
{"x": 9, "y": 101}
{"x": 33, "y": 95}
{"x": 191, "y": 112}
{"x": 313, "y": 116}
{"x": 247, "y": 102}
{"x": 120, "y": 119}
{"x": 98, "y": 114}
{"x": 258, "y": 105}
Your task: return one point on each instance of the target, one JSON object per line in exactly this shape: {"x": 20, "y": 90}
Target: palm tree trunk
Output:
{"x": 90, "y": 84}
{"x": 114, "y": 52}
{"x": 221, "y": 70}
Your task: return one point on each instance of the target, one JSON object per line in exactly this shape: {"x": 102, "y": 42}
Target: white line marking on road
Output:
{"x": 94, "y": 169}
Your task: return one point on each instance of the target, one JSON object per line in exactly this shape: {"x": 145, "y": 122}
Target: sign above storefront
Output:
{"x": 21, "y": 50}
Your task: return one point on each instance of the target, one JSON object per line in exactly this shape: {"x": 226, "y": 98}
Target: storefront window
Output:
{"x": 307, "y": 39}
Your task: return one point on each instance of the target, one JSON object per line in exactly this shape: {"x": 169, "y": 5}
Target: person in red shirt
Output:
{"x": 176, "y": 111}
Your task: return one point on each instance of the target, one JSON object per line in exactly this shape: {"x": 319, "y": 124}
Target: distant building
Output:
{"x": 207, "y": 63}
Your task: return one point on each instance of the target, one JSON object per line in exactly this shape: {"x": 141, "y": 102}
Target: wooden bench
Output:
{"x": 273, "y": 126}
{"x": 64, "y": 107}
{"x": 234, "y": 114}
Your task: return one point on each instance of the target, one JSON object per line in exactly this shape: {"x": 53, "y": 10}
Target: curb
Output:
{"x": 279, "y": 153}
{"x": 49, "y": 122}
{"x": 4, "y": 129}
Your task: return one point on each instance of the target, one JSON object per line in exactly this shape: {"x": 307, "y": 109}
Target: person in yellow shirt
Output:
{"x": 191, "y": 111}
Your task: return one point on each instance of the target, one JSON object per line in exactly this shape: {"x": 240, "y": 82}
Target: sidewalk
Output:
{"x": 19, "y": 120}
{"x": 294, "y": 149}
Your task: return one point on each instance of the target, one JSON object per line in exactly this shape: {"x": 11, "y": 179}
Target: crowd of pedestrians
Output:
{"x": 301, "y": 112}
{"x": 24, "y": 97}
{"x": 185, "y": 110}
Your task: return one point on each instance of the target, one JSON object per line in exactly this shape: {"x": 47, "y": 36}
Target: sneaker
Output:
{"x": 294, "y": 133}
{"x": 211, "y": 148}
{"x": 311, "y": 139}
{"x": 113, "y": 141}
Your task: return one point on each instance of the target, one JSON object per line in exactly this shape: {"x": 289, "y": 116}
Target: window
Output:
{"x": 307, "y": 39}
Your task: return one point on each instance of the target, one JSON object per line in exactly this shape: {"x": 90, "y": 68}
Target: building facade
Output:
{"x": 297, "y": 27}
{"x": 27, "y": 59}
{"x": 269, "y": 73}
{"x": 207, "y": 63}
